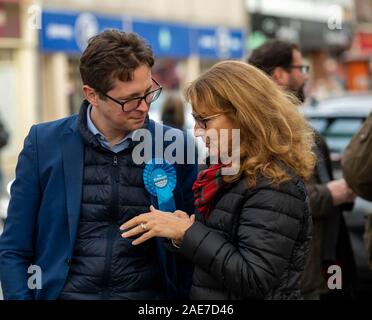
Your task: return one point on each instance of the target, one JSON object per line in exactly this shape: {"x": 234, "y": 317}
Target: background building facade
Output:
{"x": 41, "y": 42}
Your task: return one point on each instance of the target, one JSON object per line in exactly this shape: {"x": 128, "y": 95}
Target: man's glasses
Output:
{"x": 134, "y": 103}
{"x": 303, "y": 68}
{"x": 202, "y": 122}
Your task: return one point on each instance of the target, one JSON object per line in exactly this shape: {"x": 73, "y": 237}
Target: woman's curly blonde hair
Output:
{"x": 274, "y": 136}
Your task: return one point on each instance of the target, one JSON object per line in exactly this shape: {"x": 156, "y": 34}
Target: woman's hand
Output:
{"x": 157, "y": 223}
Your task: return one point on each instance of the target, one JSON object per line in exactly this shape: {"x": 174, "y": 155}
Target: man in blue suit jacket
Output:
{"x": 77, "y": 182}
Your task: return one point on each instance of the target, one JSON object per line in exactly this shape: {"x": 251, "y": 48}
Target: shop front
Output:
{"x": 358, "y": 62}
{"x": 182, "y": 51}
{"x": 10, "y": 43}
{"x": 322, "y": 45}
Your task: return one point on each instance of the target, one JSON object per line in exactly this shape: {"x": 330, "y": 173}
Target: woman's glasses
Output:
{"x": 202, "y": 121}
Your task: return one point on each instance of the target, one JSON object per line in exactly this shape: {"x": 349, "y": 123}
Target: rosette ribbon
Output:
{"x": 160, "y": 179}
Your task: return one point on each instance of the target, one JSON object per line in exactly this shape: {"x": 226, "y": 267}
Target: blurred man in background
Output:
{"x": 173, "y": 112}
{"x": 283, "y": 62}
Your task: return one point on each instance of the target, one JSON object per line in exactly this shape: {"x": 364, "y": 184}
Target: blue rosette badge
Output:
{"x": 160, "y": 179}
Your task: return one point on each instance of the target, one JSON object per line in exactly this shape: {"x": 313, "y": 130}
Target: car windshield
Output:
{"x": 319, "y": 125}
{"x": 337, "y": 131}
{"x": 344, "y": 127}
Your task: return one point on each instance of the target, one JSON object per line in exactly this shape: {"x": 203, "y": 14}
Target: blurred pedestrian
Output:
{"x": 4, "y": 139}
{"x": 77, "y": 181}
{"x": 357, "y": 170}
{"x": 283, "y": 61}
{"x": 173, "y": 112}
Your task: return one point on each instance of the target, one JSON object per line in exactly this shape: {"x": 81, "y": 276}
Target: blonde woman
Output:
{"x": 252, "y": 231}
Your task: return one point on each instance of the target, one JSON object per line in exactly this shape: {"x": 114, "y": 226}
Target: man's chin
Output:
{"x": 130, "y": 125}
{"x": 137, "y": 123}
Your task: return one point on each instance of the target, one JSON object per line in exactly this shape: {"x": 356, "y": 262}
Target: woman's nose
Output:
{"x": 198, "y": 131}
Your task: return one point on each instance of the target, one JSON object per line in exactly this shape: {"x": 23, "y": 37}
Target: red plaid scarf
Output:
{"x": 206, "y": 186}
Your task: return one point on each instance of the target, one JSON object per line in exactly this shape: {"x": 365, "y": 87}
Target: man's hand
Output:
{"x": 340, "y": 191}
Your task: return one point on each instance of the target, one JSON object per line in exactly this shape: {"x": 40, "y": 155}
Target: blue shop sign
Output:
{"x": 166, "y": 39}
{"x": 220, "y": 43}
{"x": 69, "y": 32}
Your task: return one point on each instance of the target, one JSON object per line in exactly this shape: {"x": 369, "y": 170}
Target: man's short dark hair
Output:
{"x": 113, "y": 55}
{"x": 273, "y": 53}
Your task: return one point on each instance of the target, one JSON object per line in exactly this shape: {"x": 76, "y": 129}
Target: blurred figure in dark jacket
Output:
{"x": 173, "y": 112}
{"x": 4, "y": 138}
{"x": 331, "y": 244}
{"x": 357, "y": 170}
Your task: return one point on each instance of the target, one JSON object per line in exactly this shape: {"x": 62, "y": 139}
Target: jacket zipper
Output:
{"x": 111, "y": 233}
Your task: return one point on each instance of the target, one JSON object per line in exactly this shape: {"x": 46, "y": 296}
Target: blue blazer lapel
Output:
{"x": 73, "y": 164}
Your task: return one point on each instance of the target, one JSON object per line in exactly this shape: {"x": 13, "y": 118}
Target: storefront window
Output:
{"x": 8, "y": 94}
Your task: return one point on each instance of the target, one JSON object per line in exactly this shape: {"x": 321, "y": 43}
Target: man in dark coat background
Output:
{"x": 283, "y": 62}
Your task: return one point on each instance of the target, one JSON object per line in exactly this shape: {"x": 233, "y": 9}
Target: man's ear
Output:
{"x": 280, "y": 76}
{"x": 91, "y": 95}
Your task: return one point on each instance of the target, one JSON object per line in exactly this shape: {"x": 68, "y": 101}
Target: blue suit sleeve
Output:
{"x": 17, "y": 240}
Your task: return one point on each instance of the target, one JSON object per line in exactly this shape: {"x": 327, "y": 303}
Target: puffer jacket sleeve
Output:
{"x": 251, "y": 265}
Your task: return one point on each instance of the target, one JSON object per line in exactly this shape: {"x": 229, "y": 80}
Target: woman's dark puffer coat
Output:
{"x": 254, "y": 243}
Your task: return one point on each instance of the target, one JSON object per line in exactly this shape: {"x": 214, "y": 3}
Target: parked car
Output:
{"x": 337, "y": 119}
